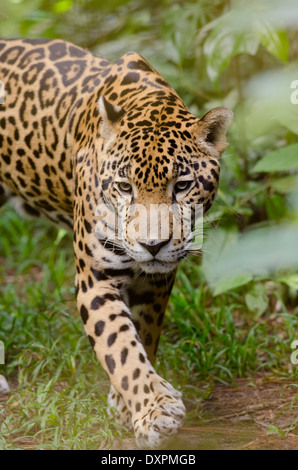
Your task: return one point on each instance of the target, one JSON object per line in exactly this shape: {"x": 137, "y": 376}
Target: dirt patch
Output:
{"x": 238, "y": 418}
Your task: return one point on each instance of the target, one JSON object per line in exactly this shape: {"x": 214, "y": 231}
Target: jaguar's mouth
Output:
{"x": 157, "y": 266}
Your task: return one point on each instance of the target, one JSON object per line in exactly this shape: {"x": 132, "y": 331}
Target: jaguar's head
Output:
{"x": 156, "y": 179}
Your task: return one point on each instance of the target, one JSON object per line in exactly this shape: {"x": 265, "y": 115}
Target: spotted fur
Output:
{"x": 77, "y": 131}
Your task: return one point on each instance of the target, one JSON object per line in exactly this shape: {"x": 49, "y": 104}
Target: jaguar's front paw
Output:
{"x": 161, "y": 418}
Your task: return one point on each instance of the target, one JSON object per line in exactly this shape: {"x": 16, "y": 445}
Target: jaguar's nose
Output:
{"x": 154, "y": 246}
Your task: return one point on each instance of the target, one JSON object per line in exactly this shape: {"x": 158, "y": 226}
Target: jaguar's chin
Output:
{"x": 156, "y": 266}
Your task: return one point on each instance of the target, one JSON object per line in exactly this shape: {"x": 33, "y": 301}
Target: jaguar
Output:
{"x": 83, "y": 140}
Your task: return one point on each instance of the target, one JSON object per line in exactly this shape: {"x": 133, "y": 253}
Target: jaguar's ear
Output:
{"x": 110, "y": 117}
{"x": 213, "y": 129}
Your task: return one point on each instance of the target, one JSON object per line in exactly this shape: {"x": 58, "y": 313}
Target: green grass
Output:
{"x": 59, "y": 397}
{"x": 218, "y": 338}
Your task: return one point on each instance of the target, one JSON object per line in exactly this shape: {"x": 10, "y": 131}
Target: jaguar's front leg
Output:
{"x": 155, "y": 406}
{"x": 147, "y": 298}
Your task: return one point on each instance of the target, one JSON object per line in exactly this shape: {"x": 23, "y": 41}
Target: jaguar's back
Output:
{"x": 42, "y": 80}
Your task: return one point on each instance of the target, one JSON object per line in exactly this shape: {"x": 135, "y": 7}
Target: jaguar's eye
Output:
{"x": 125, "y": 187}
{"x": 182, "y": 186}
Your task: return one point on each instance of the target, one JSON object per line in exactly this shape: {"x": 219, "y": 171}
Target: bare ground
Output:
{"x": 238, "y": 418}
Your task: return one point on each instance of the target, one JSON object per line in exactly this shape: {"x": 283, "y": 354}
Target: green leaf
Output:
{"x": 275, "y": 430}
{"x": 259, "y": 251}
{"x": 270, "y": 102}
{"x": 257, "y": 299}
{"x": 176, "y": 22}
{"x": 283, "y": 159}
{"x": 276, "y": 42}
{"x": 62, "y": 5}
{"x": 60, "y": 235}
{"x": 291, "y": 281}
{"x": 241, "y": 31}
{"x": 231, "y": 35}
{"x": 276, "y": 206}
{"x": 286, "y": 184}
{"x": 232, "y": 281}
